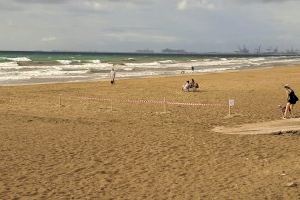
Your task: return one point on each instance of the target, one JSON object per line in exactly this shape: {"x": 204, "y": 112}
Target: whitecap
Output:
{"x": 65, "y": 62}
{"x": 166, "y": 61}
{"x": 19, "y": 59}
{"x": 95, "y": 61}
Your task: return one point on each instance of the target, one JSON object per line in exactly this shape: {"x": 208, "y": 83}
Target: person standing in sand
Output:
{"x": 291, "y": 100}
{"x": 112, "y": 76}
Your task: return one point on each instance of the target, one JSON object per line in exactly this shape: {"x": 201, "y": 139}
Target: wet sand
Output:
{"x": 91, "y": 149}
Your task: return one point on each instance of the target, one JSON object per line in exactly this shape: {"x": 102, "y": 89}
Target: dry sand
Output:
{"x": 83, "y": 150}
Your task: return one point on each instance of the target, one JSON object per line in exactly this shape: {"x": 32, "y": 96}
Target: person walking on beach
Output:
{"x": 291, "y": 100}
{"x": 112, "y": 76}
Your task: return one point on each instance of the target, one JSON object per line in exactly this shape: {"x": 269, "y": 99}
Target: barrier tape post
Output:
{"x": 165, "y": 106}
{"x": 229, "y": 109}
{"x": 59, "y": 99}
{"x": 111, "y": 105}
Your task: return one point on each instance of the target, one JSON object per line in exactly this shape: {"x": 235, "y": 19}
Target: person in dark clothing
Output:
{"x": 193, "y": 68}
{"x": 291, "y": 100}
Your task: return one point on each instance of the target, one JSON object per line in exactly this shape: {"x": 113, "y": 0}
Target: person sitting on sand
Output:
{"x": 193, "y": 86}
{"x": 186, "y": 86}
{"x": 192, "y": 83}
{"x": 190, "y": 86}
{"x": 291, "y": 100}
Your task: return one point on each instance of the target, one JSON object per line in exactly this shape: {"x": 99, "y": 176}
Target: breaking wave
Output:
{"x": 23, "y": 69}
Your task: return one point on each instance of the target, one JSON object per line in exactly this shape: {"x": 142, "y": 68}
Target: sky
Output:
{"x": 129, "y": 25}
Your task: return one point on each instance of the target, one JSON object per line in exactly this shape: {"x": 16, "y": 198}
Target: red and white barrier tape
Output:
{"x": 194, "y": 104}
{"x": 148, "y": 101}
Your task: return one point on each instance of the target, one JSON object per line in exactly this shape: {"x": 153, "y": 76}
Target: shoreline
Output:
{"x": 12, "y": 75}
{"x": 91, "y": 80}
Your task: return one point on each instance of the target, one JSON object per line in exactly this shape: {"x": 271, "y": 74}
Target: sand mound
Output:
{"x": 288, "y": 126}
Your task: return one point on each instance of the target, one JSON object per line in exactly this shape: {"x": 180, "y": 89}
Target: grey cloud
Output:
{"x": 81, "y": 1}
{"x": 277, "y": 1}
{"x": 11, "y": 6}
{"x": 262, "y": 1}
{"x": 41, "y": 1}
{"x": 126, "y": 25}
{"x": 79, "y": 6}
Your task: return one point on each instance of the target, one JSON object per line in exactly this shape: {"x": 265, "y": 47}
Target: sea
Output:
{"x": 18, "y": 68}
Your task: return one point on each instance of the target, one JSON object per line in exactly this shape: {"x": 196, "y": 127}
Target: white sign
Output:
{"x": 231, "y": 102}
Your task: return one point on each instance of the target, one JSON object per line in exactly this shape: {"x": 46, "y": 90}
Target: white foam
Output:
{"x": 65, "y": 62}
{"x": 95, "y": 61}
{"x": 166, "y": 61}
{"x": 143, "y": 64}
{"x": 19, "y": 59}
{"x": 95, "y": 69}
{"x": 257, "y": 59}
{"x": 8, "y": 78}
{"x": 8, "y": 64}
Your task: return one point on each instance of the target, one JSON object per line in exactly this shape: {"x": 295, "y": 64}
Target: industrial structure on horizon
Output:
{"x": 240, "y": 50}
{"x": 267, "y": 51}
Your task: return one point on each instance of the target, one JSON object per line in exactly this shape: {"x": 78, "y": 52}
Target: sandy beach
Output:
{"x": 94, "y": 149}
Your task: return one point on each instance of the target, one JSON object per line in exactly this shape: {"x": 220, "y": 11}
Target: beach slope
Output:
{"x": 57, "y": 143}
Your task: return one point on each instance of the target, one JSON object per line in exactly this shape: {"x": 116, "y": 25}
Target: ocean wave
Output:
{"x": 21, "y": 69}
{"x": 19, "y": 59}
{"x": 73, "y": 68}
{"x": 52, "y": 69}
{"x": 8, "y": 64}
{"x": 95, "y": 61}
{"x": 38, "y": 63}
{"x": 10, "y": 78}
{"x": 166, "y": 61}
{"x": 215, "y": 69}
{"x": 257, "y": 59}
{"x": 97, "y": 70}
{"x": 64, "y": 62}
{"x": 150, "y": 64}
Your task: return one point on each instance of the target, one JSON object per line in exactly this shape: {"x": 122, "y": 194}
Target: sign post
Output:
{"x": 230, "y": 105}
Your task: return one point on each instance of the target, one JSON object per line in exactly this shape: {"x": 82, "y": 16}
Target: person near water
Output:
{"x": 291, "y": 100}
{"x": 112, "y": 76}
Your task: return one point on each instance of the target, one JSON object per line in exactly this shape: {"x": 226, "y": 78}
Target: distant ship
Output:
{"x": 174, "y": 51}
{"x": 146, "y": 51}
